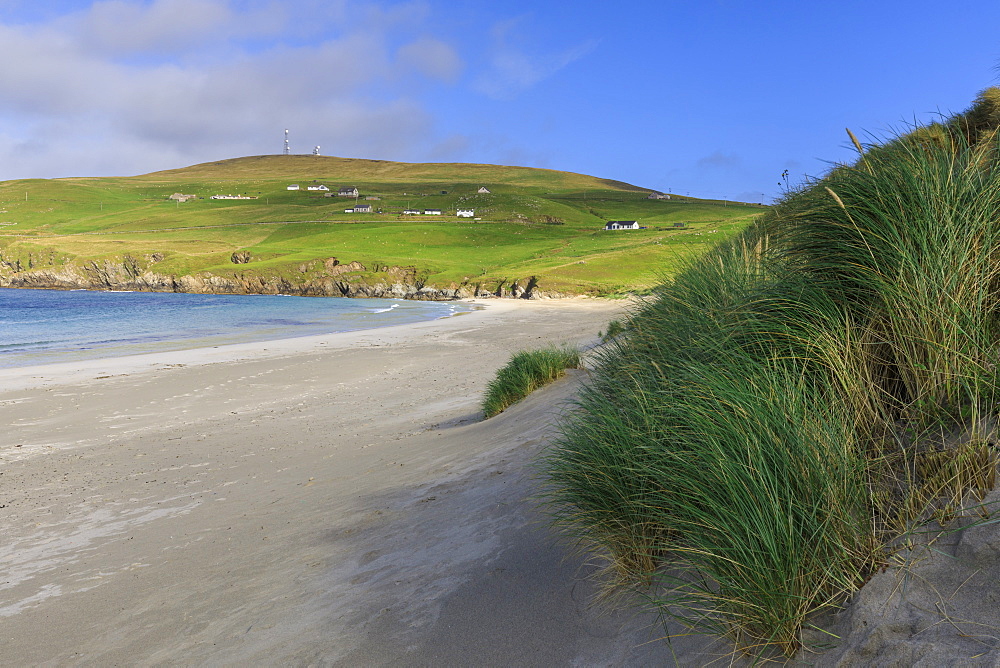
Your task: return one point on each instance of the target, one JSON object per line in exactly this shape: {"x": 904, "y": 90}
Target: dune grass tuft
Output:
{"x": 615, "y": 329}
{"x": 526, "y": 371}
{"x": 776, "y": 415}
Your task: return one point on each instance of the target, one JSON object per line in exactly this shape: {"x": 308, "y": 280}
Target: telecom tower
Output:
{"x": 287, "y": 150}
{"x": 316, "y": 151}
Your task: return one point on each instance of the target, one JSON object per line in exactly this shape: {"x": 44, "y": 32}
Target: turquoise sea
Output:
{"x": 50, "y": 326}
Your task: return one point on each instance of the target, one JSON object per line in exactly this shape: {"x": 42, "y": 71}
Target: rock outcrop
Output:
{"x": 321, "y": 278}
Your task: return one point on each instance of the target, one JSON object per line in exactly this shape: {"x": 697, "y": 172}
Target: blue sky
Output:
{"x": 713, "y": 98}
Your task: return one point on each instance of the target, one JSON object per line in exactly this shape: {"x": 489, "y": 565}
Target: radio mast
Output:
{"x": 287, "y": 150}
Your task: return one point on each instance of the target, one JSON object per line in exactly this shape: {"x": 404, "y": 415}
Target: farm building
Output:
{"x": 465, "y": 213}
{"x": 432, "y": 212}
{"x": 483, "y": 190}
{"x": 319, "y": 187}
{"x": 294, "y": 186}
{"x": 622, "y": 225}
{"x": 411, "y": 212}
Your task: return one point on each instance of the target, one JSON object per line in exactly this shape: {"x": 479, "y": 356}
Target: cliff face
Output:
{"x": 326, "y": 278}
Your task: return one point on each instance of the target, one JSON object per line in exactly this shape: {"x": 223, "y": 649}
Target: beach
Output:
{"x": 328, "y": 500}
{"x": 338, "y": 500}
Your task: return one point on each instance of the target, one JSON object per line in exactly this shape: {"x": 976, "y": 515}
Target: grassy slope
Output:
{"x": 78, "y": 219}
{"x": 777, "y": 418}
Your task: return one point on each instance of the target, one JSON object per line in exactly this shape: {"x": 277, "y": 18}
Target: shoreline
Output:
{"x": 58, "y": 372}
{"x": 332, "y": 500}
{"x": 81, "y": 349}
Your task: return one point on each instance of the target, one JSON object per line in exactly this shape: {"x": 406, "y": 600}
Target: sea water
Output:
{"x": 50, "y": 326}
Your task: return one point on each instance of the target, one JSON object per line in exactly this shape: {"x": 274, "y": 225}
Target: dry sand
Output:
{"x": 331, "y": 500}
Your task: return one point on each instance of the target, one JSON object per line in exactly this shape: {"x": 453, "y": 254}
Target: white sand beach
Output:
{"x": 331, "y": 500}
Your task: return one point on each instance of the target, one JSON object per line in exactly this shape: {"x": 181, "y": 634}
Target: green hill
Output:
{"x": 532, "y": 223}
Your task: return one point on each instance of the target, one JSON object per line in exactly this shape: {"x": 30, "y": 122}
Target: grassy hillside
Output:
{"x": 533, "y": 222}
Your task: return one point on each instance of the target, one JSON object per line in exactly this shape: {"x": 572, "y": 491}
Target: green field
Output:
{"x": 534, "y": 222}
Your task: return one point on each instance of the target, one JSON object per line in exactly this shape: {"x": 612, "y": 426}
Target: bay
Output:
{"x": 52, "y": 326}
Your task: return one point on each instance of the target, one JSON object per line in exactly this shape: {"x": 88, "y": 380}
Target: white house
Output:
{"x": 319, "y": 187}
{"x": 411, "y": 212}
{"x": 466, "y": 213}
{"x": 622, "y": 225}
{"x": 432, "y": 212}
{"x": 347, "y": 192}
{"x": 362, "y": 208}
{"x": 294, "y": 186}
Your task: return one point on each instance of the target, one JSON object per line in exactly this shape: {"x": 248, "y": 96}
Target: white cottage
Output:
{"x": 622, "y": 225}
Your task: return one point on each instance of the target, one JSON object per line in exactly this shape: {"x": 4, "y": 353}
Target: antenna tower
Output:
{"x": 316, "y": 151}
{"x": 287, "y": 150}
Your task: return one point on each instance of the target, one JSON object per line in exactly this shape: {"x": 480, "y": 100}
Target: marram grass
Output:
{"x": 526, "y": 371}
{"x": 773, "y": 417}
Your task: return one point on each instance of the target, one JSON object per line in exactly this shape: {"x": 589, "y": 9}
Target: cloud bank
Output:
{"x": 122, "y": 86}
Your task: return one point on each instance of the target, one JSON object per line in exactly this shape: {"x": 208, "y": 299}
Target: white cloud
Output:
{"x": 514, "y": 69}
{"x": 121, "y": 26}
{"x": 432, "y": 58}
{"x": 110, "y": 85}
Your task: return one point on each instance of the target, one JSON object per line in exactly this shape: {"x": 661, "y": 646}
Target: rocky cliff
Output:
{"x": 320, "y": 278}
